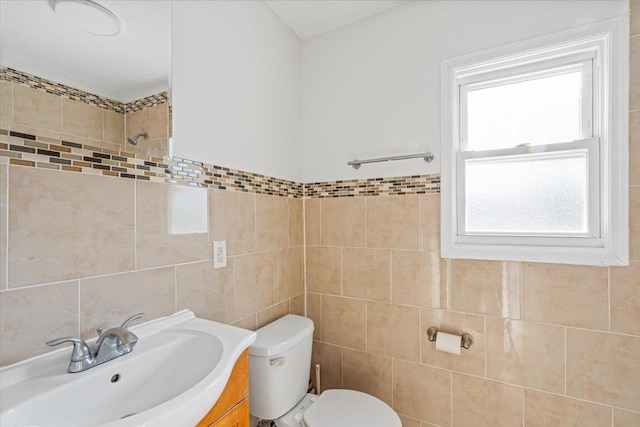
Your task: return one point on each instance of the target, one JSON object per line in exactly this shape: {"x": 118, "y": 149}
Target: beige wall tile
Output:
{"x": 324, "y": 270}
{"x": 622, "y": 418}
{"x": 232, "y": 218}
{"x": 634, "y": 223}
{"x": 313, "y": 313}
{"x": 343, "y": 322}
{"x": 208, "y": 292}
{"x": 393, "y": 330}
{"x": 569, "y": 295}
{"x": 393, "y": 222}
{"x": 635, "y": 17}
{"x": 81, "y": 119}
{"x": 342, "y": 222}
{"x": 368, "y": 373}
{"x": 272, "y": 222}
{"x": 296, "y": 224}
{"x": 253, "y": 283}
{"x": 634, "y": 74}
{"x": 430, "y": 222}
{"x": 250, "y": 322}
{"x": 312, "y": 221}
{"x": 272, "y": 313}
{"x": 625, "y": 298}
{"x": 296, "y": 305}
{"x": 469, "y": 361}
{"x": 482, "y": 403}
{"x": 486, "y": 287}
{"x": 366, "y": 273}
{"x": 107, "y": 301}
{"x": 634, "y": 148}
{"x": 37, "y": 109}
{"x": 6, "y": 102}
{"x": 409, "y": 422}
{"x": 422, "y": 392}
{"x": 419, "y": 278}
{"x": 62, "y": 224}
{"x": 158, "y": 117}
{"x": 113, "y": 128}
{"x": 603, "y": 368}
{"x": 30, "y": 317}
{"x": 171, "y": 224}
{"x": 525, "y": 353}
{"x": 329, "y": 357}
{"x": 288, "y": 273}
{"x": 4, "y": 188}
{"x": 137, "y": 122}
{"x": 544, "y": 410}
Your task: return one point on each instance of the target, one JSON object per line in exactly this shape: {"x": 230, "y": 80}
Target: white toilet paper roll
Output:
{"x": 449, "y": 343}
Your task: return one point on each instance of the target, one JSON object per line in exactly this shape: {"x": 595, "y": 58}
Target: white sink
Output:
{"x": 174, "y": 375}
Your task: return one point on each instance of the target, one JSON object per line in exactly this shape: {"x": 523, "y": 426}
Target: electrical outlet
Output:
{"x": 220, "y": 254}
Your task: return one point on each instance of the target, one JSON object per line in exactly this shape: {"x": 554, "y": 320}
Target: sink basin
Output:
{"x": 174, "y": 375}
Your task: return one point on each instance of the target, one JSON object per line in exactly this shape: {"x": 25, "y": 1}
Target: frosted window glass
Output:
{"x": 534, "y": 193}
{"x": 541, "y": 111}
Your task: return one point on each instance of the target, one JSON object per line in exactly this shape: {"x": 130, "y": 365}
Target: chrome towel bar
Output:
{"x": 428, "y": 157}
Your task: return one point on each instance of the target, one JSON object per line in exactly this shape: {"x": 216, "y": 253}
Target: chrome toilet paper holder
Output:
{"x": 465, "y": 342}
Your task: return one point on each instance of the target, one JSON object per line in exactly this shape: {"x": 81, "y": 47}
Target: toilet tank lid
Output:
{"x": 280, "y": 335}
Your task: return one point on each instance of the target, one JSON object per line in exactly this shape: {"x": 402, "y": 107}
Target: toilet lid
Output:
{"x": 349, "y": 408}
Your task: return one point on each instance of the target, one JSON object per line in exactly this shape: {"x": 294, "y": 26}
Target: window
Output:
{"x": 534, "y": 150}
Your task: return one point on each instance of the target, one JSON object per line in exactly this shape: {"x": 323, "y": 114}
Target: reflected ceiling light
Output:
{"x": 88, "y": 16}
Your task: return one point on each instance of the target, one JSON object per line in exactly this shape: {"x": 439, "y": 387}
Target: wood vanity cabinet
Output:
{"x": 232, "y": 408}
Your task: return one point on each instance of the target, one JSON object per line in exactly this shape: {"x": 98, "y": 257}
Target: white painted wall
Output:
{"x": 372, "y": 88}
{"x": 236, "y": 87}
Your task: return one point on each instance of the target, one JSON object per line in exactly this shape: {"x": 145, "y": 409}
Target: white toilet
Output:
{"x": 279, "y": 363}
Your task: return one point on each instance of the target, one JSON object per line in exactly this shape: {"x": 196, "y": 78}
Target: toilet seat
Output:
{"x": 349, "y": 408}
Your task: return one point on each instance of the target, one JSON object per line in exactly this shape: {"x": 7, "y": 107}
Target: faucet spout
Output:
{"x": 111, "y": 344}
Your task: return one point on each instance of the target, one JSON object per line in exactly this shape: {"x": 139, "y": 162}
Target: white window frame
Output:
{"x": 605, "y": 139}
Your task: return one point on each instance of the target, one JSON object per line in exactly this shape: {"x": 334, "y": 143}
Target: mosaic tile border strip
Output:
{"x": 24, "y": 149}
{"x": 393, "y": 186}
{"x": 148, "y": 102}
{"x": 49, "y": 86}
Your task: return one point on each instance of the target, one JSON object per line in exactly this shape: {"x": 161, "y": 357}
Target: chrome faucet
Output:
{"x": 112, "y": 343}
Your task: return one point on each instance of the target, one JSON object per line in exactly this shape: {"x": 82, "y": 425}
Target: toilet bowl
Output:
{"x": 279, "y": 365}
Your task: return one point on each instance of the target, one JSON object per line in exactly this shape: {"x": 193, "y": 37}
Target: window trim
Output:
{"x": 608, "y": 41}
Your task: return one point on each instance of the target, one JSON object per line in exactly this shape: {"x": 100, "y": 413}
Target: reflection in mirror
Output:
{"x": 88, "y": 72}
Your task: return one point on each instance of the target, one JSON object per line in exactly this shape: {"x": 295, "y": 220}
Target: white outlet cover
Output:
{"x": 220, "y": 254}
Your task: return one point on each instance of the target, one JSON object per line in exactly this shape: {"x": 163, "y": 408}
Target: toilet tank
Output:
{"x": 279, "y": 363}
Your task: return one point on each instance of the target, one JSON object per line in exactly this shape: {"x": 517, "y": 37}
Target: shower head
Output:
{"x": 133, "y": 140}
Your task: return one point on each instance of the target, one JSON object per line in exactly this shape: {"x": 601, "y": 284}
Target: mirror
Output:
{"x": 113, "y": 55}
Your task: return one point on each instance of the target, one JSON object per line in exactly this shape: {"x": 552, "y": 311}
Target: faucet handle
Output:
{"x": 131, "y": 319}
{"x": 80, "y": 348}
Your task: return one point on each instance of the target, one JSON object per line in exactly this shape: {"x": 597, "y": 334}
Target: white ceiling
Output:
{"x": 126, "y": 67}
{"x": 136, "y": 63}
{"x": 309, "y": 18}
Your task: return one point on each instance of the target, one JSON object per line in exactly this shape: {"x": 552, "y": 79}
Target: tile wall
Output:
{"x": 91, "y": 234}
{"x": 555, "y": 345}
{"x": 32, "y": 105}
{"x": 82, "y": 251}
